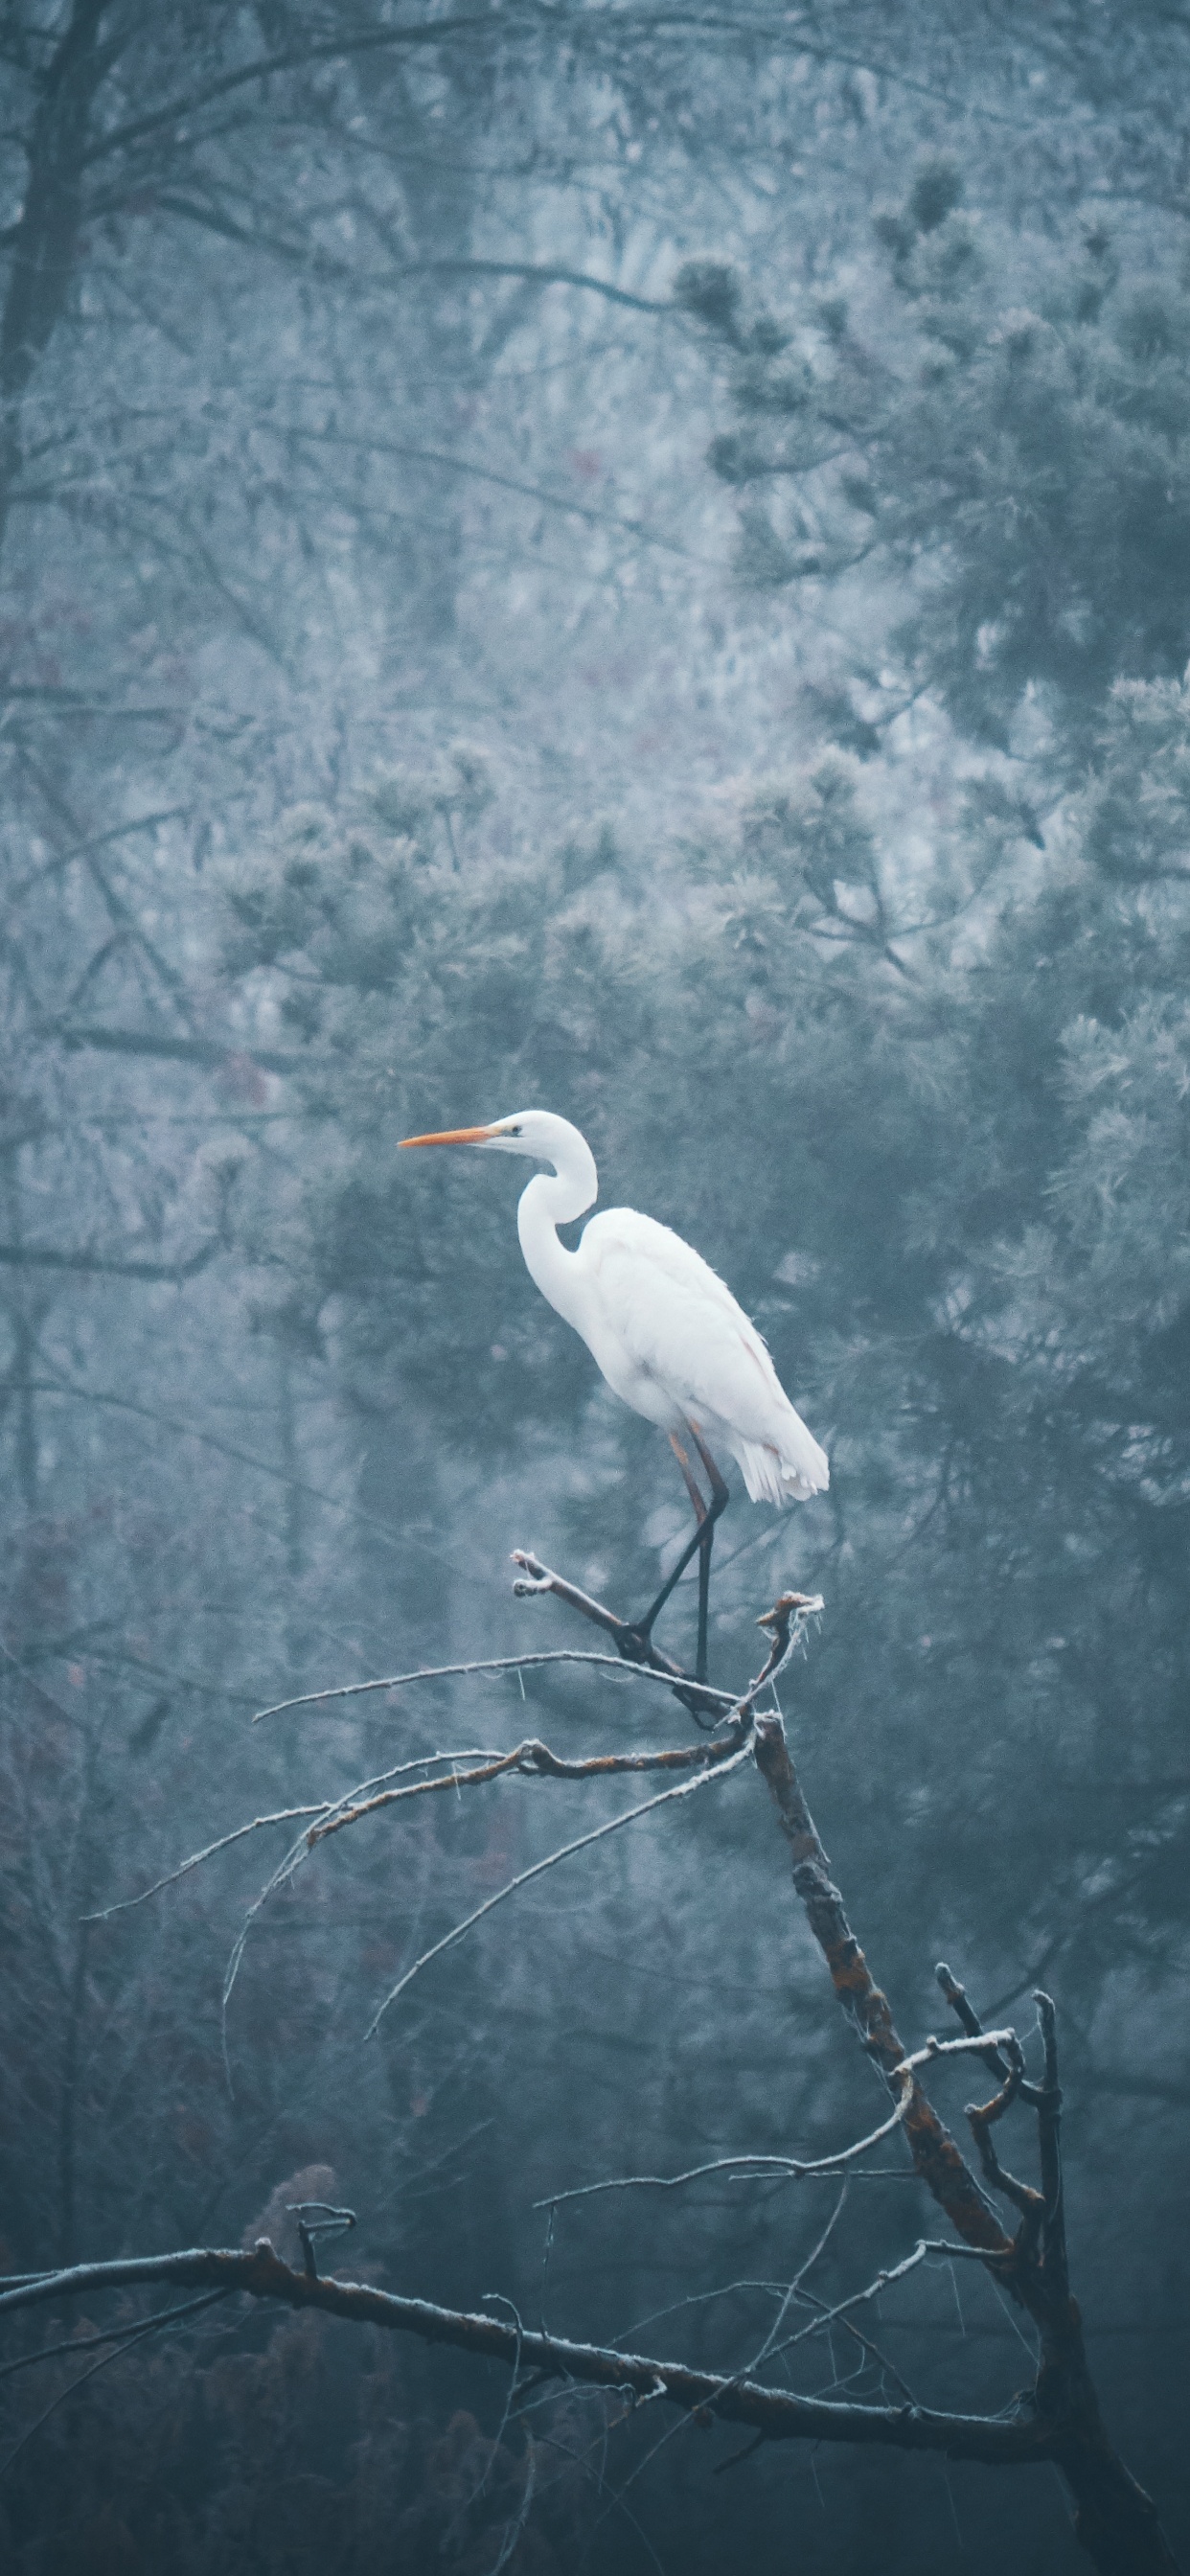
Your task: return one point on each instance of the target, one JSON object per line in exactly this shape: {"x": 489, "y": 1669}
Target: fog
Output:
{"x": 638, "y": 564}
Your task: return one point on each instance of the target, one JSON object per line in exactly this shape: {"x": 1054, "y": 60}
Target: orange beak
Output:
{"x": 453, "y": 1136}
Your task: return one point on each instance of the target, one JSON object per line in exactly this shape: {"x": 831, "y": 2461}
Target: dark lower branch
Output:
{"x": 774, "y": 2413}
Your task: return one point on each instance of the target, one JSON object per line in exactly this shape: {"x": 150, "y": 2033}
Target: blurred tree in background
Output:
{"x": 556, "y": 557}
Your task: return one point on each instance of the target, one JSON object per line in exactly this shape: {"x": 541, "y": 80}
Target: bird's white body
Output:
{"x": 664, "y": 1329}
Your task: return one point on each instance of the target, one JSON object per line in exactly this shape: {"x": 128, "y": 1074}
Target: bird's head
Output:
{"x": 535, "y": 1132}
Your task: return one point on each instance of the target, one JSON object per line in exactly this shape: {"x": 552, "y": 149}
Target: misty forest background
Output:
{"x": 636, "y": 562}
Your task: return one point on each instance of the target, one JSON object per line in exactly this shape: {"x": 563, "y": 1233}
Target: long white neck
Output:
{"x": 553, "y": 1199}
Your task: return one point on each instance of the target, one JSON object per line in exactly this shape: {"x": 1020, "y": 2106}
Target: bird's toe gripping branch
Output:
{"x": 631, "y": 1638}
{"x": 784, "y": 1622}
{"x": 634, "y": 1637}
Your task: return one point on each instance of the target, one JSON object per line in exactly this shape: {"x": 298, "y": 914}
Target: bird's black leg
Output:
{"x": 706, "y": 1540}
{"x": 644, "y": 1626}
{"x": 706, "y": 1516}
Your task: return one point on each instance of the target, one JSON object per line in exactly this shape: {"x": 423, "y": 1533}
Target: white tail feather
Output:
{"x": 771, "y": 1478}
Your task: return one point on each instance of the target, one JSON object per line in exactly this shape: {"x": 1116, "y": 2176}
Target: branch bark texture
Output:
{"x": 1057, "y": 2421}
{"x": 775, "y": 2413}
{"x": 1115, "y": 2521}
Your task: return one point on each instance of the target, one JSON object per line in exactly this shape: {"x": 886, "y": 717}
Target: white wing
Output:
{"x": 679, "y": 1327}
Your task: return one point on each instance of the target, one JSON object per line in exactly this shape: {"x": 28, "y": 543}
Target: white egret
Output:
{"x": 665, "y": 1330}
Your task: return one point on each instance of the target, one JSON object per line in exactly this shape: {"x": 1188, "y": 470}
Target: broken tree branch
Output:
{"x": 775, "y": 2413}
{"x": 1060, "y": 2422}
{"x": 935, "y": 2154}
{"x": 797, "y": 2168}
{"x": 1114, "y": 2520}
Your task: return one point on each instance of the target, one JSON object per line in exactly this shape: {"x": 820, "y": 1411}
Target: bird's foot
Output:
{"x": 632, "y": 1638}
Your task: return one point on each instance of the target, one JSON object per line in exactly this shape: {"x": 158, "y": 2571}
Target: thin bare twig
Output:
{"x": 957, "y": 1998}
{"x": 537, "y": 1868}
{"x": 135, "y": 2335}
{"x": 787, "y": 2296}
{"x": 291, "y": 1862}
{"x": 75, "y": 2344}
{"x": 534, "y": 1760}
{"x": 783, "y": 1624}
{"x": 794, "y": 2166}
{"x": 982, "y": 2117}
{"x": 281, "y": 1816}
{"x": 491, "y": 1664}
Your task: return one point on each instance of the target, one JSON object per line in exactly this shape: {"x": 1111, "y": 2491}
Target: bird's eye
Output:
{"x": 512, "y": 1131}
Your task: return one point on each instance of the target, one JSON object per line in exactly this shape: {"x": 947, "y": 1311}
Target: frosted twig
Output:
{"x": 491, "y": 1664}
{"x": 792, "y": 2165}
{"x": 135, "y": 2334}
{"x": 925, "y": 2246}
{"x": 73, "y": 2345}
{"x": 858, "y": 2298}
{"x": 810, "y": 2299}
{"x": 747, "y": 2369}
{"x": 497, "y": 2299}
{"x": 982, "y": 2115}
{"x": 795, "y": 2286}
{"x": 565, "y": 1852}
{"x": 282, "y": 1816}
{"x": 533, "y": 1760}
{"x": 516, "y": 2526}
{"x": 957, "y": 1998}
{"x": 299, "y": 1851}
{"x": 762, "y": 2166}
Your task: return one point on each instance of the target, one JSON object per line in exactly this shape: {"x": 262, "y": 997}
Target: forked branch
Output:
{"x": 1114, "y": 2520}
{"x": 775, "y": 2413}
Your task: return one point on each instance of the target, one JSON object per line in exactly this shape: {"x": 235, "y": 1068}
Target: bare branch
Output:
{"x": 858, "y": 2298}
{"x": 982, "y": 2116}
{"x": 638, "y": 1649}
{"x": 778, "y": 2414}
{"x": 566, "y": 1852}
{"x": 440, "y": 458}
{"x": 532, "y": 1760}
{"x": 1049, "y": 2149}
{"x": 280, "y": 1816}
{"x": 32, "y": 1256}
{"x": 75, "y": 2344}
{"x": 957, "y": 1998}
{"x": 796, "y": 2167}
{"x": 492, "y": 1664}
{"x": 934, "y": 2151}
{"x": 120, "y": 138}
{"x": 765, "y": 2169}
{"x": 212, "y": 1053}
{"x": 125, "y": 2343}
{"x": 83, "y": 849}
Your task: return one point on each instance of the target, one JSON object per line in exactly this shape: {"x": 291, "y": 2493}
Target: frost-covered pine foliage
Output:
{"x": 596, "y": 563}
